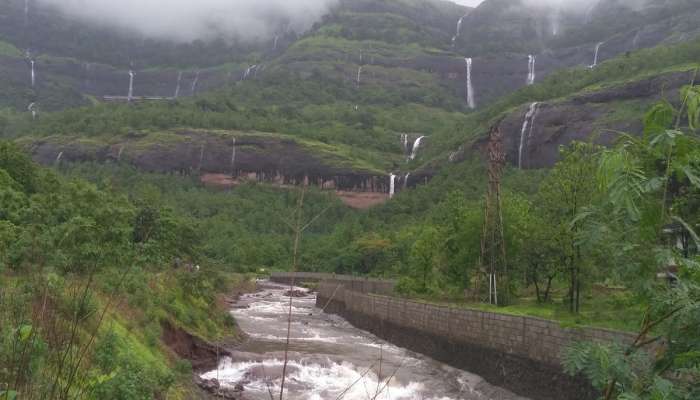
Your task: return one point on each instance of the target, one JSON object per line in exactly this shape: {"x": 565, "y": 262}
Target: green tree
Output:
{"x": 642, "y": 178}
{"x": 565, "y": 192}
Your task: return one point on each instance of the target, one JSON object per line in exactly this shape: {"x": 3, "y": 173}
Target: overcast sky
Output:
{"x": 187, "y": 20}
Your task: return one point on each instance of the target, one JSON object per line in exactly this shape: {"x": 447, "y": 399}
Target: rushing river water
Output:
{"x": 330, "y": 359}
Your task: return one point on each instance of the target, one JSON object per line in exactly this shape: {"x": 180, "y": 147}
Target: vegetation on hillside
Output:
{"x": 87, "y": 276}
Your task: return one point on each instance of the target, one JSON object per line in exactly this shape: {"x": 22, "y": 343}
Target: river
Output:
{"x": 330, "y": 359}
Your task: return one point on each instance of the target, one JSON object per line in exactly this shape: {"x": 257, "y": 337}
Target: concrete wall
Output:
{"x": 534, "y": 338}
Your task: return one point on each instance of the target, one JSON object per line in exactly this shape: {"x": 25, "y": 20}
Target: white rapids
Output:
{"x": 330, "y": 359}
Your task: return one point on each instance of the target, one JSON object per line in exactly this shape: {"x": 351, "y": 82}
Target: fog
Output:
{"x": 581, "y": 4}
{"x": 187, "y": 20}
{"x": 561, "y": 4}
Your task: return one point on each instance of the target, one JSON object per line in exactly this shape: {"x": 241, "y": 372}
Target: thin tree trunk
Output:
{"x": 549, "y": 288}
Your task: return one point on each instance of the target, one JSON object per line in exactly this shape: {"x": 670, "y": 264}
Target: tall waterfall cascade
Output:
{"x": 131, "y": 85}
{"x": 471, "y": 103}
{"x": 404, "y": 142}
{"x": 555, "y": 22}
{"x": 233, "y": 157}
{"x": 177, "y": 85}
{"x": 58, "y": 158}
{"x": 32, "y": 109}
{"x": 33, "y": 72}
{"x": 248, "y": 71}
{"x": 392, "y": 185}
{"x": 458, "y": 31}
{"x": 193, "y": 89}
{"x": 359, "y": 75}
{"x": 526, "y": 131}
{"x": 595, "y": 56}
{"x": 531, "y": 60}
{"x": 635, "y": 40}
{"x": 416, "y": 147}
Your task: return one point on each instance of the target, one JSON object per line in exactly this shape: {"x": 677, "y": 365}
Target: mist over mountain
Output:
{"x": 186, "y": 20}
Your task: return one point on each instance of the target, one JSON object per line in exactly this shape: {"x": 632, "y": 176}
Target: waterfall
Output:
{"x": 58, "y": 158}
{"x": 531, "y": 69}
{"x": 526, "y": 130}
{"x": 416, "y": 146}
{"x": 589, "y": 13}
{"x": 32, "y": 109}
{"x": 193, "y": 89}
{"x": 635, "y": 41}
{"x": 247, "y": 72}
{"x": 595, "y": 57}
{"x": 88, "y": 70}
{"x": 359, "y": 75}
{"x": 177, "y": 85}
{"x": 119, "y": 155}
{"x": 274, "y": 44}
{"x": 458, "y": 31}
{"x": 405, "y": 180}
{"x": 470, "y": 90}
{"x": 131, "y": 85}
{"x": 201, "y": 157}
{"x": 392, "y": 185}
{"x": 404, "y": 142}
{"x": 33, "y": 74}
{"x": 555, "y": 22}
{"x": 233, "y": 157}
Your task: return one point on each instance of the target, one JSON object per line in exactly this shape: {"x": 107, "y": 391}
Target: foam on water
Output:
{"x": 329, "y": 358}
{"x": 319, "y": 380}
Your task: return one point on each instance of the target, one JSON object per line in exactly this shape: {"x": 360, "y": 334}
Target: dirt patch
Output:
{"x": 362, "y": 200}
{"x": 202, "y": 354}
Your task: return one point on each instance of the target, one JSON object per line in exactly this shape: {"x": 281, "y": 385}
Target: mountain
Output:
{"x": 365, "y": 82}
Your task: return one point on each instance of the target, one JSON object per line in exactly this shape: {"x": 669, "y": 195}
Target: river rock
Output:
{"x": 295, "y": 293}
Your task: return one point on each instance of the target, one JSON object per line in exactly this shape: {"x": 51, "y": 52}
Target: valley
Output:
{"x": 534, "y": 163}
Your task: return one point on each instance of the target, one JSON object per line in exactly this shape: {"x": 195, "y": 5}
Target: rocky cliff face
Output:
{"x": 597, "y": 116}
{"x": 226, "y": 159}
{"x": 499, "y": 35}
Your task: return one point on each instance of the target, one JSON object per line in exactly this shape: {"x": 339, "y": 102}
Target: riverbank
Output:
{"x": 519, "y": 353}
{"x": 328, "y": 357}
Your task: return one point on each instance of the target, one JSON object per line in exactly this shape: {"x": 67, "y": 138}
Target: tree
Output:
{"x": 541, "y": 255}
{"x": 568, "y": 188}
{"x": 641, "y": 179}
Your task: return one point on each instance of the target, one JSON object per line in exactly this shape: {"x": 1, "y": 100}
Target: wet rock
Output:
{"x": 209, "y": 385}
{"x": 585, "y": 117}
{"x": 295, "y": 293}
{"x": 213, "y": 387}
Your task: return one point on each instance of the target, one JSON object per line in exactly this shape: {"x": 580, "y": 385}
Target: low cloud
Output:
{"x": 188, "y": 20}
